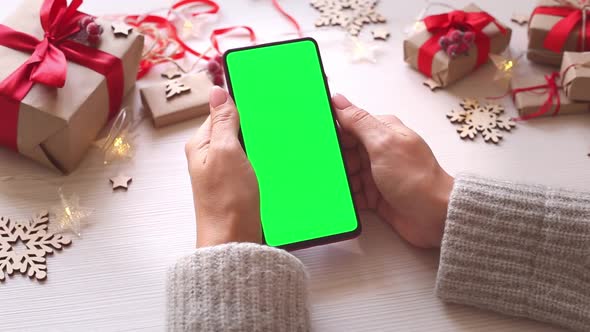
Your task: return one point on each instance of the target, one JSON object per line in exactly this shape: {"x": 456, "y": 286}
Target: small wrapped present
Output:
{"x": 575, "y": 74}
{"x": 454, "y": 44}
{"x": 61, "y": 79}
{"x": 537, "y": 95}
{"x": 177, "y": 100}
{"x": 556, "y": 27}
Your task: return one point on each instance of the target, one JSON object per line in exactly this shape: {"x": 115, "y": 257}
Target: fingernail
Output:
{"x": 217, "y": 97}
{"x": 341, "y": 102}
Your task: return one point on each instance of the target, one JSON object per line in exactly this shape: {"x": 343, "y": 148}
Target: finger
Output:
{"x": 352, "y": 160}
{"x": 358, "y": 122}
{"x": 355, "y": 183}
{"x": 348, "y": 141}
{"x": 365, "y": 161}
{"x": 201, "y": 138}
{"x": 390, "y": 121}
{"x": 203, "y": 135}
{"x": 370, "y": 190}
{"x": 225, "y": 122}
{"x": 360, "y": 201}
{"x": 393, "y": 122}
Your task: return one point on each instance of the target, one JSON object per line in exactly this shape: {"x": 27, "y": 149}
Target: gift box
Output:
{"x": 554, "y": 28}
{"x": 424, "y": 52}
{"x": 167, "y": 109}
{"x": 538, "y": 95}
{"x": 575, "y": 74}
{"x": 58, "y": 90}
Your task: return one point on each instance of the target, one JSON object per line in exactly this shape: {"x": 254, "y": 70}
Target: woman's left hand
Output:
{"x": 225, "y": 188}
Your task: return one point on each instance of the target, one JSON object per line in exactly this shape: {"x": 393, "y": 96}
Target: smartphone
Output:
{"x": 290, "y": 136}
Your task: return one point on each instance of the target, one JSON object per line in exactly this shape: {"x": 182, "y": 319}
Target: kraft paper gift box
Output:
{"x": 530, "y": 103}
{"x": 445, "y": 69}
{"x": 166, "y": 111}
{"x": 56, "y": 125}
{"x": 575, "y": 75}
{"x": 546, "y": 44}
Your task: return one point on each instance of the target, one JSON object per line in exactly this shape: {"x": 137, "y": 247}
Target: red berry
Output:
{"x": 469, "y": 37}
{"x": 86, "y": 20}
{"x": 93, "y": 29}
{"x": 218, "y": 58}
{"x": 444, "y": 42}
{"x": 218, "y": 80}
{"x": 93, "y": 39}
{"x": 462, "y": 48}
{"x": 456, "y": 36}
{"x": 452, "y": 50}
{"x": 214, "y": 67}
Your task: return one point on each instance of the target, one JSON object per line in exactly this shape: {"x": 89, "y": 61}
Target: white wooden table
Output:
{"x": 113, "y": 278}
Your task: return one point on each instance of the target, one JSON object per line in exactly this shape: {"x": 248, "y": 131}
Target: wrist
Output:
{"x": 441, "y": 198}
{"x": 213, "y": 231}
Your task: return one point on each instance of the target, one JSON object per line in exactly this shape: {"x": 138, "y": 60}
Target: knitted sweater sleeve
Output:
{"x": 518, "y": 250}
{"x": 238, "y": 287}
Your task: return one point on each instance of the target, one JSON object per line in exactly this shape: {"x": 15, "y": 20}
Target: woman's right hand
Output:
{"x": 394, "y": 172}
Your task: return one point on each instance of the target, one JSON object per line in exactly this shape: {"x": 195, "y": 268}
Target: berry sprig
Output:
{"x": 215, "y": 70}
{"x": 90, "y": 31}
{"x": 457, "y": 42}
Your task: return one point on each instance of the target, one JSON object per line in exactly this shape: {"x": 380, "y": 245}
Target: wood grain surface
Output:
{"x": 114, "y": 277}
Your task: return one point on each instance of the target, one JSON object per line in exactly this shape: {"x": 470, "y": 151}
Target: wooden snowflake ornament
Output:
{"x": 486, "y": 120}
{"x": 172, "y": 73}
{"x": 176, "y": 88}
{"x": 352, "y": 15}
{"x": 38, "y": 241}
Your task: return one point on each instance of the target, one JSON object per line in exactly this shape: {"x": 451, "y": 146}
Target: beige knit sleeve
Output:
{"x": 518, "y": 250}
{"x": 238, "y": 287}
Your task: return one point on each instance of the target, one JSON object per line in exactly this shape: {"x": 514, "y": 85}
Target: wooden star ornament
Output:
{"x": 121, "y": 29}
{"x": 362, "y": 52}
{"x": 519, "y": 19}
{"x": 121, "y": 181}
{"x": 432, "y": 84}
{"x": 380, "y": 34}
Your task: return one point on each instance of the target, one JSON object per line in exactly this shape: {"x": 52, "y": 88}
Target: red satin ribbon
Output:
{"x": 48, "y": 63}
{"x": 558, "y": 35}
{"x": 219, "y": 32}
{"x": 165, "y": 24}
{"x": 440, "y": 25}
{"x": 551, "y": 88}
{"x": 289, "y": 17}
{"x": 214, "y": 7}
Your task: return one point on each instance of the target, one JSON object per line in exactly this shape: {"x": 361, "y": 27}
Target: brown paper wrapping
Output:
{"x": 539, "y": 27}
{"x": 446, "y": 70}
{"x": 179, "y": 108}
{"x": 530, "y": 102}
{"x": 575, "y": 73}
{"x": 56, "y": 126}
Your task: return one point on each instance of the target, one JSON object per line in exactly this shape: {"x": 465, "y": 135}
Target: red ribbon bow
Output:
{"x": 48, "y": 63}
{"x": 440, "y": 25}
{"x": 553, "y": 98}
{"x": 558, "y": 35}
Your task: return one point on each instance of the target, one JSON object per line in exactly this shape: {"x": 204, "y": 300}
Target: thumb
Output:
{"x": 358, "y": 122}
{"x": 225, "y": 122}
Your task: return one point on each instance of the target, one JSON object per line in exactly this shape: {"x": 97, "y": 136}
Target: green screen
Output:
{"x": 290, "y": 138}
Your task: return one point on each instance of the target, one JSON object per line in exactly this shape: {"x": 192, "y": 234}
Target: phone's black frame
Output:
{"x": 323, "y": 240}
